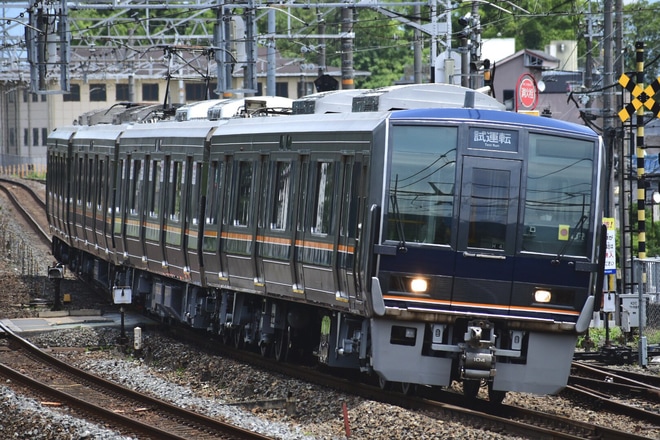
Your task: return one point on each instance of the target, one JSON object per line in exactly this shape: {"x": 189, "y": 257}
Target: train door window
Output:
{"x": 100, "y": 188}
{"x": 349, "y": 197}
{"x": 120, "y": 198}
{"x": 216, "y": 177}
{"x": 136, "y": 183}
{"x": 155, "y": 182}
{"x": 243, "y": 194}
{"x": 281, "y": 196}
{"x": 421, "y": 184}
{"x": 174, "y": 199}
{"x": 324, "y": 190}
{"x": 91, "y": 183}
{"x": 193, "y": 193}
{"x": 557, "y": 202}
{"x": 100, "y": 197}
{"x": 489, "y": 208}
{"x": 304, "y": 189}
{"x": 79, "y": 177}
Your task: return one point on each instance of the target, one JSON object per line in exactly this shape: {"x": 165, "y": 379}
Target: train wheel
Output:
{"x": 226, "y": 336}
{"x": 281, "y": 344}
{"x": 471, "y": 388}
{"x": 238, "y": 337}
{"x": 266, "y": 349}
{"x": 409, "y": 389}
{"x": 383, "y": 383}
{"x": 495, "y": 396}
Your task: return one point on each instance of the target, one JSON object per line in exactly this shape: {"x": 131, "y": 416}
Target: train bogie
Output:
{"x": 423, "y": 246}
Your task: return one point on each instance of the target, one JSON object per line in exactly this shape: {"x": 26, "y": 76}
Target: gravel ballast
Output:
{"x": 213, "y": 385}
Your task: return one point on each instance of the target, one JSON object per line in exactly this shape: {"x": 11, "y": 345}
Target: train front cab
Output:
{"x": 487, "y": 264}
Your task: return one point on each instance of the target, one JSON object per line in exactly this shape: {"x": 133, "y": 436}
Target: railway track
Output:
{"x": 98, "y": 399}
{"x": 30, "y": 206}
{"x": 440, "y": 404}
{"x": 605, "y": 387}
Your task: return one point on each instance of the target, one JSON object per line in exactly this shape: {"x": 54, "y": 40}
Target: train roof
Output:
{"x": 496, "y": 116}
{"x": 196, "y": 128}
{"x": 63, "y": 132}
{"x": 101, "y": 131}
{"x": 432, "y": 95}
{"x": 335, "y": 101}
{"x": 196, "y": 110}
{"x": 331, "y": 122}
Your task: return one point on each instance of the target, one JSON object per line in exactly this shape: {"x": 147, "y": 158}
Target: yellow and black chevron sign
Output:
{"x": 641, "y": 97}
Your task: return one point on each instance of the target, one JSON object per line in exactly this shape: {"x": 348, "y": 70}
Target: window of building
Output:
{"x": 73, "y": 95}
{"x": 150, "y": 92}
{"x": 97, "y": 93}
{"x": 121, "y": 92}
{"x": 282, "y": 89}
{"x": 44, "y": 136}
{"x": 26, "y": 137}
{"x": 26, "y": 94}
{"x": 197, "y": 91}
{"x": 35, "y": 137}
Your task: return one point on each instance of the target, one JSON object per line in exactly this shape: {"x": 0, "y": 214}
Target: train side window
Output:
{"x": 324, "y": 190}
{"x": 243, "y": 194}
{"x": 281, "y": 196}
{"x": 216, "y": 177}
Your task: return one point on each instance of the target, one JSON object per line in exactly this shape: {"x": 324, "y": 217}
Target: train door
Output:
{"x": 351, "y": 211}
{"x": 174, "y": 216}
{"x": 486, "y": 243}
{"x": 317, "y": 243}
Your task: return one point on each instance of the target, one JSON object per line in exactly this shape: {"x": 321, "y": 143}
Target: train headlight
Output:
{"x": 542, "y": 296}
{"x": 419, "y": 285}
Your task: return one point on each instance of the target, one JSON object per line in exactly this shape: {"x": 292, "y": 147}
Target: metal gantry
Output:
{"x": 64, "y": 38}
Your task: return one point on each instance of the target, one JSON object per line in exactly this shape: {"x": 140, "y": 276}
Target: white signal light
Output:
{"x": 542, "y": 296}
{"x": 418, "y": 285}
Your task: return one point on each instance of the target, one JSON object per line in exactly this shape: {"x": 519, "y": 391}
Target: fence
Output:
{"x": 23, "y": 170}
{"x": 646, "y": 276}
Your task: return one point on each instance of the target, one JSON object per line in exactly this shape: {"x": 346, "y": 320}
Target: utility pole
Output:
{"x": 417, "y": 60}
{"x": 271, "y": 80}
{"x": 347, "y": 73}
{"x": 321, "y": 42}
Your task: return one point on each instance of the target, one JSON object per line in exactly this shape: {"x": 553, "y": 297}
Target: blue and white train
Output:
{"x": 422, "y": 246}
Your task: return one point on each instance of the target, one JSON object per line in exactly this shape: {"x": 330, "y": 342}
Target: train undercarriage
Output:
{"x": 401, "y": 354}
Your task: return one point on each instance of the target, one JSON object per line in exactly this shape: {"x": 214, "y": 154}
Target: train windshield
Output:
{"x": 559, "y": 183}
{"x": 421, "y": 198}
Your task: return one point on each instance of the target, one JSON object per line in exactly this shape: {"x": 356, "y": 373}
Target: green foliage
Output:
{"x": 598, "y": 338}
{"x": 641, "y": 25}
{"x": 533, "y": 23}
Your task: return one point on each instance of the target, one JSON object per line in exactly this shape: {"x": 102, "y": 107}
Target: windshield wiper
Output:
{"x": 571, "y": 239}
{"x": 397, "y": 217}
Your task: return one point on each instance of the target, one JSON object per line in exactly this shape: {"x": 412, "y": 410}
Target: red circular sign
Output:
{"x": 527, "y": 92}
